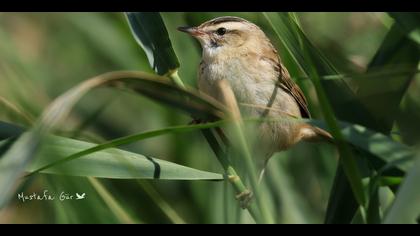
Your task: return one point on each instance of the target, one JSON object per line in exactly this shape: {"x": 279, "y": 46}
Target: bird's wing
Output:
{"x": 287, "y": 84}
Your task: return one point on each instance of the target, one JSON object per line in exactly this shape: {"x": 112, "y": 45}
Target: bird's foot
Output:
{"x": 244, "y": 198}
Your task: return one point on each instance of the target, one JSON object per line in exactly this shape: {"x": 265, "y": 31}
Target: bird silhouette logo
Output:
{"x": 80, "y": 196}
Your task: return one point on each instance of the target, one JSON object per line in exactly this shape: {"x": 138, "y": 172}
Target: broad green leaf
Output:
{"x": 111, "y": 163}
{"x": 409, "y": 22}
{"x": 128, "y": 140}
{"x": 396, "y": 53}
{"x": 150, "y": 32}
{"x": 406, "y": 207}
{"x": 393, "y": 153}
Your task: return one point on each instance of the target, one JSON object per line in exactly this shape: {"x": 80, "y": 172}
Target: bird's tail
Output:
{"x": 326, "y": 136}
{"x": 317, "y": 134}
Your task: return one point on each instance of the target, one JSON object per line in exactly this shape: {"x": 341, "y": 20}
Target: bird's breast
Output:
{"x": 244, "y": 78}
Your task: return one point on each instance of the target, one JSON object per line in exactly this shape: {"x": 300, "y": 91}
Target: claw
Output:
{"x": 244, "y": 198}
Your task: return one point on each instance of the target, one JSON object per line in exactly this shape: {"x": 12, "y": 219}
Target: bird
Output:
{"x": 239, "y": 52}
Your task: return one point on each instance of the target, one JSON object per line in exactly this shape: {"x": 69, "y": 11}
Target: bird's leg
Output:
{"x": 244, "y": 198}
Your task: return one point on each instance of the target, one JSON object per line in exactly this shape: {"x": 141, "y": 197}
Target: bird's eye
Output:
{"x": 221, "y": 31}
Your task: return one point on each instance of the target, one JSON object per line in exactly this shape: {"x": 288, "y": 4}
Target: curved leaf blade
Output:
{"x": 150, "y": 33}
{"x": 111, "y": 163}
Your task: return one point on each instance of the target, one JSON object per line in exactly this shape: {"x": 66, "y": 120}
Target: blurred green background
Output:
{"x": 42, "y": 55}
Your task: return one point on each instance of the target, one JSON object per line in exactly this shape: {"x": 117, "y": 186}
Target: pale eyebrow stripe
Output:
{"x": 224, "y": 20}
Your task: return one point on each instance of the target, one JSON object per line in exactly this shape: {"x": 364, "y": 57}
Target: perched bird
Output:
{"x": 239, "y": 52}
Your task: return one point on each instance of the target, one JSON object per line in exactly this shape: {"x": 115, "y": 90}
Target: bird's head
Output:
{"x": 227, "y": 35}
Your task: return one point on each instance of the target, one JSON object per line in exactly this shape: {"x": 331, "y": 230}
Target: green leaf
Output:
{"x": 393, "y": 153}
{"x": 406, "y": 206}
{"x": 396, "y": 53}
{"x": 110, "y": 163}
{"x": 150, "y": 32}
{"x": 409, "y": 22}
{"x": 127, "y": 140}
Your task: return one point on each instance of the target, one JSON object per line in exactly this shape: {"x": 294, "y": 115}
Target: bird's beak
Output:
{"x": 194, "y": 31}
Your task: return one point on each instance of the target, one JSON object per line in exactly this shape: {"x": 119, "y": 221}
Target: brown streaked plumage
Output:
{"x": 239, "y": 52}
